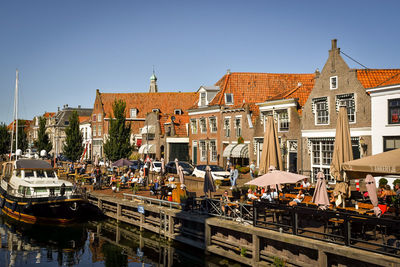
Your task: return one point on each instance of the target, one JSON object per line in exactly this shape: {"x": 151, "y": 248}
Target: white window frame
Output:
{"x": 315, "y": 111}
{"x": 331, "y": 83}
{"x": 350, "y": 96}
{"x": 94, "y": 130}
{"x": 320, "y": 165}
{"x": 227, "y": 127}
{"x": 238, "y": 130}
{"x": 213, "y": 127}
{"x": 203, "y": 150}
{"x": 213, "y": 152}
{"x": 203, "y": 130}
{"x": 99, "y": 117}
{"x": 133, "y": 112}
{"x": 203, "y": 101}
{"x": 99, "y": 130}
{"x": 195, "y": 129}
{"x": 278, "y": 117}
{"x": 226, "y": 102}
{"x": 178, "y": 111}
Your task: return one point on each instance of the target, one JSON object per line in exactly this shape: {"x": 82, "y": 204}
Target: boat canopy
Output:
{"x": 33, "y": 164}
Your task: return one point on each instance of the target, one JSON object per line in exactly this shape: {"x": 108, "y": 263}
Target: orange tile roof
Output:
{"x": 146, "y": 102}
{"x": 27, "y": 124}
{"x": 378, "y": 77}
{"x": 49, "y": 114}
{"x": 84, "y": 119}
{"x": 180, "y": 123}
{"x": 260, "y": 87}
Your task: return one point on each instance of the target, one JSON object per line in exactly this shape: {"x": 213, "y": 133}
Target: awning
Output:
{"x": 240, "y": 151}
{"x": 147, "y": 149}
{"x": 227, "y": 150}
{"x": 148, "y": 129}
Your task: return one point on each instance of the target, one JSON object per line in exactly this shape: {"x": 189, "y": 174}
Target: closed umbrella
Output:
{"x": 320, "y": 196}
{"x": 371, "y": 188}
{"x": 176, "y": 165}
{"x": 271, "y": 152}
{"x": 208, "y": 182}
{"x": 342, "y": 152}
{"x": 180, "y": 173}
{"x": 162, "y": 166}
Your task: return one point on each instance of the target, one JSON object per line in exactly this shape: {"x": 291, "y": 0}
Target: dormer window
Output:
{"x": 203, "y": 98}
{"x": 229, "y": 99}
{"x": 334, "y": 83}
{"x": 133, "y": 112}
{"x": 178, "y": 112}
{"x": 155, "y": 110}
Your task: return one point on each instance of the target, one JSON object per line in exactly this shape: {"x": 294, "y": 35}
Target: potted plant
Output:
{"x": 118, "y": 186}
{"x": 217, "y": 184}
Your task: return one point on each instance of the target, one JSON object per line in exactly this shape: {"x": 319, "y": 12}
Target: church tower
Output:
{"x": 153, "y": 84}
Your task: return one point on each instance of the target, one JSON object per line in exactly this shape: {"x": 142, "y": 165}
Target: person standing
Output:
{"x": 233, "y": 176}
{"x": 252, "y": 170}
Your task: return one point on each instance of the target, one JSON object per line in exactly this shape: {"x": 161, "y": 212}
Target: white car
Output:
{"x": 156, "y": 166}
{"x": 217, "y": 172}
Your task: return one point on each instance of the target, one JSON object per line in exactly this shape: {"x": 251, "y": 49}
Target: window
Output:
{"x": 178, "y": 112}
{"x": 203, "y": 151}
{"x": 283, "y": 120}
{"x": 227, "y": 127}
{"x": 213, "y": 124}
{"x": 133, "y": 112}
{"x": 94, "y": 117}
{"x": 394, "y": 111}
{"x": 203, "y": 99}
{"x": 213, "y": 152}
{"x": 66, "y": 122}
{"x": 94, "y": 130}
{"x": 348, "y": 101}
{"x": 99, "y": 128}
{"x": 320, "y": 110}
{"x": 334, "y": 82}
{"x": 322, "y": 151}
{"x": 203, "y": 125}
{"x": 229, "y": 99}
{"x": 99, "y": 117}
{"x": 391, "y": 142}
{"x": 193, "y": 125}
{"x": 238, "y": 126}
{"x": 155, "y": 110}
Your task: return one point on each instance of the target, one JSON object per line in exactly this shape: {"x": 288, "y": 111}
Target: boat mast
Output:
{"x": 16, "y": 114}
{"x": 15, "y": 119}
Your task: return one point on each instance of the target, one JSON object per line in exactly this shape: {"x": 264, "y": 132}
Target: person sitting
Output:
{"x": 164, "y": 192}
{"x": 224, "y": 203}
{"x": 305, "y": 183}
{"x": 267, "y": 195}
{"x": 251, "y": 195}
{"x": 387, "y": 194}
{"x": 71, "y": 168}
{"x": 299, "y": 198}
{"x": 114, "y": 186}
{"x": 397, "y": 189}
{"x": 124, "y": 179}
{"x": 274, "y": 194}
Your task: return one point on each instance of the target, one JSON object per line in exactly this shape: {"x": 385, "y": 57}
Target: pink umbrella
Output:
{"x": 371, "y": 188}
{"x": 275, "y": 177}
{"x": 320, "y": 196}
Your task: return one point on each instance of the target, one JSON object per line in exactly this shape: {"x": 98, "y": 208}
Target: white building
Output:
{"x": 86, "y": 130}
{"x": 385, "y": 119}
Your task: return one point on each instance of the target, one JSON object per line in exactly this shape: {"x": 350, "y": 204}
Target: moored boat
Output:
{"x": 30, "y": 191}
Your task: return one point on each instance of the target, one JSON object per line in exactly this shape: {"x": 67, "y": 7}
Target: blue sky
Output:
{"x": 65, "y": 50}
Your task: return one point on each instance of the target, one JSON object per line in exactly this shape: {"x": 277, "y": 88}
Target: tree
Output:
{"x": 43, "y": 141}
{"x": 73, "y": 146}
{"x": 22, "y": 138}
{"x": 118, "y": 143}
{"x": 4, "y": 139}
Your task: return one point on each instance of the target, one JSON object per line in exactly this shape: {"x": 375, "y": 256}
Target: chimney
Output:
{"x": 334, "y": 44}
{"x": 228, "y": 71}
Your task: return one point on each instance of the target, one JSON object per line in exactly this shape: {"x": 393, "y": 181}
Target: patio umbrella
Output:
{"x": 121, "y": 163}
{"x": 180, "y": 173}
{"x": 342, "y": 152}
{"x": 162, "y": 166}
{"x": 274, "y": 177}
{"x": 271, "y": 152}
{"x": 320, "y": 196}
{"x": 208, "y": 182}
{"x": 371, "y": 188}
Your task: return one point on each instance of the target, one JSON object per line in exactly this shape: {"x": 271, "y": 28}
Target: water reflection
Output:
{"x": 103, "y": 243}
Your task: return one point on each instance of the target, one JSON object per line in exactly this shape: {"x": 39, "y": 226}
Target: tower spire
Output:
{"x": 153, "y": 83}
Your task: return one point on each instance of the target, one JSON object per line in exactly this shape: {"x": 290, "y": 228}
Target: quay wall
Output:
{"x": 237, "y": 241}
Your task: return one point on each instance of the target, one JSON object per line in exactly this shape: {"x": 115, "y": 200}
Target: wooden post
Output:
{"x": 170, "y": 227}
{"x": 118, "y": 211}
{"x": 100, "y": 204}
{"x": 256, "y": 250}
{"x": 207, "y": 236}
{"x": 141, "y": 221}
{"x": 322, "y": 259}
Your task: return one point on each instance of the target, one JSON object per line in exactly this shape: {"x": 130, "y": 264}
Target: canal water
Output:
{"x": 101, "y": 243}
